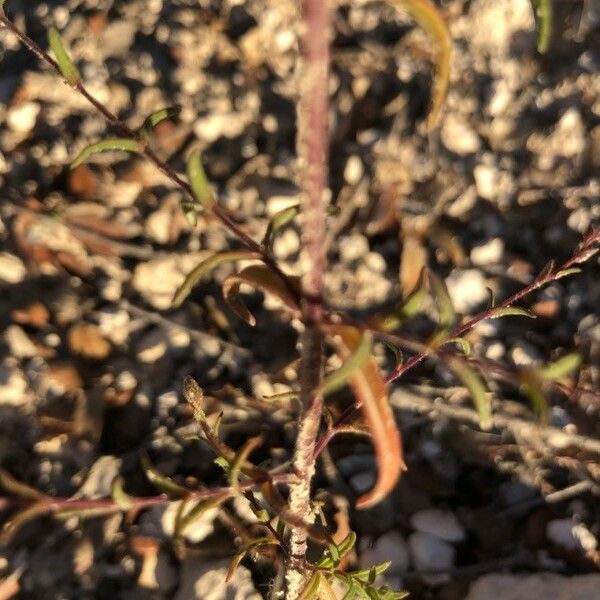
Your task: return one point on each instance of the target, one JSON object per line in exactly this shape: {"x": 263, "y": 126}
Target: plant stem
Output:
{"x": 313, "y": 152}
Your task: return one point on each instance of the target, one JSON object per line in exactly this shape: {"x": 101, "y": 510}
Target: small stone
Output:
{"x": 486, "y": 180}
{"x": 98, "y": 482}
{"x": 488, "y": 253}
{"x": 354, "y": 170}
{"x": 430, "y": 554}
{"x": 85, "y": 339}
{"x": 538, "y": 585}
{"x": 440, "y": 523}
{"x": 198, "y": 530}
{"x": 157, "y": 280}
{"x": 152, "y": 346}
{"x": 458, "y": 136}
{"x": 390, "y": 546}
{"x": 524, "y": 354}
{"x": 12, "y": 268}
{"x": 13, "y": 388}
{"x": 34, "y": 315}
{"x": 22, "y": 118}
{"x": 203, "y": 580}
{"x": 353, "y": 247}
{"x": 570, "y": 535}
{"x": 19, "y": 343}
{"x": 467, "y": 289}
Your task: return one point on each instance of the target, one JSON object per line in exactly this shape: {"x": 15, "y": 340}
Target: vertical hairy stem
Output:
{"x": 313, "y": 143}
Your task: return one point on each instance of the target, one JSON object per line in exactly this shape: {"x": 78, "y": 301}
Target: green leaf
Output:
{"x": 365, "y": 575}
{"x": 469, "y": 378}
{"x": 312, "y": 587}
{"x": 339, "y": 378}
{"x": 119, "y": 495}
{"x": 162, "y": 482}
{"x": 65, "y": 64}
{"x": 240, "y": 459}
{"x": 159, "y": 116}
{"x": 446, "y": 313}
{"x": 509, "y": 311}
{"x": 199, "y": 182}
{"x": 544, "y": 22}
{"x": 279, "y": 220}
{"x": 112, "y": 144}
{"x": 463, "y": 344}
{"x": 205, "y": 267}
{"x": 347, "y": 544}
{"x": 567, "y": 273}
{"x": 408, "y": 309}
{"x": 183, "y": 521}
{"x": 560, "y": 368}
{"x": 532, "y": 387}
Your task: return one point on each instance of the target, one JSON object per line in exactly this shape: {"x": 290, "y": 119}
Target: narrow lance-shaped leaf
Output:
{"x": 240, "y": 460}
{"x": 408, "y": 309}
{"x": 199, "y": 182}
{"x": 162, "y": 482}
{"x": 159, "y": 116}
{"x": 509, "y": 311}
{"x": 560, "y": 368}
{"x": 336, "y": 380}
{"x": 204, "y": 269}
{"x": 532, "y": 386}
{"x": 279, "y": 220}
{"x": 469, "y": 378}
{"x": 65, "y": 64}
{"x": 369, "y": 389}
{"x": 183, "y": 521}
{"x": 266, "y": 280}
{"x": 119, "y": 495}
{"x": 312, "y": 587}
{"x": 446, "y": 313}
{"x": 430, "y": 18}
{"x": 112, "y": 144}
{"x": 544, "y": 22}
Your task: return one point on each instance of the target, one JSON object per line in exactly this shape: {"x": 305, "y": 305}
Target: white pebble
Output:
{"x": 440, "y": 523}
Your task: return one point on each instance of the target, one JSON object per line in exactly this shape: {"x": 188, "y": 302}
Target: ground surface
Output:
{"x": 93, "y": 355}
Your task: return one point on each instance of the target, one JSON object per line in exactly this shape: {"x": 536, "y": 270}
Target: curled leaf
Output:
{"x": 199, "y": 508}
{"x": 430, "y": 18}
{"x": 463, "y": 344}
{"x": 543, "y": 18}
{"x": 336, "y": 380}
{"x": 262, "y": 277}
{"x": 199, "y": 182}
{"x": 279, "y": 220}
{"x": 469, "y": 378}
{"x": 446, "y": 313}
{"x": 159, "y": 116}
{"x": 65, "y": 64}
{"x": 560, "y": 368}
{"x": 205, "y": 267}
{"x": 112, "y": 144}
{"x": 369, "y": 389}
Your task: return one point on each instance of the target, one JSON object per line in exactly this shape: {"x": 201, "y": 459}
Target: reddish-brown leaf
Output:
{"x": 371, "y": 395}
